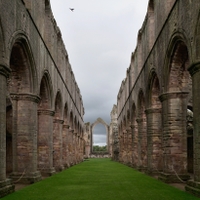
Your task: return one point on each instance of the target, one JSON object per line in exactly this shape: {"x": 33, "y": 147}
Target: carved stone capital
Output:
{"x": 173, "y": 95}
{"x": 194, "y": 68}
{"x": 46, "y": 112}
{"x": 25, "y": 97}
{"x": 5, "y": 71}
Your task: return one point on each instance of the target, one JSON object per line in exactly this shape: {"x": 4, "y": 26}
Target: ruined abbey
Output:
{"x": 155, "y": 126}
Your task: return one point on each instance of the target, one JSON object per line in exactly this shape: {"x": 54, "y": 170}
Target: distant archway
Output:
{"x": 100, "y": 121}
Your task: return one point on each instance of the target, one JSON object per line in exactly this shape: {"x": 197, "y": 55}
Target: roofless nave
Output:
{"x": 41, "y": 109}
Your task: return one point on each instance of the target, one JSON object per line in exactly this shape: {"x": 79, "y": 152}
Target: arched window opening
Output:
{"x": 99, "y": 138}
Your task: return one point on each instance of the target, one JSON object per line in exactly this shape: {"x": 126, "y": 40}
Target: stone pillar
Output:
{"x": 6, "y": 186}
{"x": 65, "y": 146}
{"x": 174, "y": 107}
{"x": 193, "y": 186}
{"x": 57, "y": 145}
{"x": 45, "y": 142}
{"x": 120, "y": 147}
{"x": 70, "y": 147}
{"x": 124, "y": 154}
{"x": 79, "y": 149}
{"x": 142, "y": 145}
{"x": 25, "y": 136}
{"x": 134, "y": 147}
{"x": 129, "y": 145}
{"x": 154, "y": 140}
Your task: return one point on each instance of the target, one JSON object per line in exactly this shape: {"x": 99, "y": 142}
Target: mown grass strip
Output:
{"x": 100, "y": 179}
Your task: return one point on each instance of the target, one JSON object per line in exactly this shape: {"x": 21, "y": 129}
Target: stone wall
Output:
{"x": 161, "y": 85}
{"x": 41, "y": 108}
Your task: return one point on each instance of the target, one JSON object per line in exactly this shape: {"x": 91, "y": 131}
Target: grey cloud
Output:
{"x": 99, "y": 37}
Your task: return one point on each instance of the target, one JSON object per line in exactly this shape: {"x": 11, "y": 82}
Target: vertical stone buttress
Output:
{"x": 45, "y": 142}
{"x": 174, "y": 106}
{"x": 6, "y": 186}
{"x": 25, "y": 133}
{"x": 154, "y": 140}
{"x": 193, "y": 186}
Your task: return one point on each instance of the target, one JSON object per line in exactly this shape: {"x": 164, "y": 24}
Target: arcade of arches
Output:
{"x": 41, "y": 108}
{"x": 155, "y": 125}
{"x": 158, "y": 101}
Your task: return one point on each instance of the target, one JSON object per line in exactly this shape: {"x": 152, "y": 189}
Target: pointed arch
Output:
{"x": 46, "y": 92}
{"x": 175, "y": 74}
{"x": 153, "y": 90}
{"x": 58, "y": 105}
{"x": 23, "y": 78}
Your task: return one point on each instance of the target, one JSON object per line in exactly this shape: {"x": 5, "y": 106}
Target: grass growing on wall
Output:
{"x": 100, "y": 179}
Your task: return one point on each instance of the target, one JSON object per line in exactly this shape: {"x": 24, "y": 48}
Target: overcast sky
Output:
{"x": 100, "y": 37}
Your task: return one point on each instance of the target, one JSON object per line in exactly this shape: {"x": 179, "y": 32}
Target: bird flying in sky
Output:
{"x": 72, "y": 9}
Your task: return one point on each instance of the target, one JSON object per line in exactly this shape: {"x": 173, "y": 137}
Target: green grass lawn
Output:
{"x": 100, "y": 179}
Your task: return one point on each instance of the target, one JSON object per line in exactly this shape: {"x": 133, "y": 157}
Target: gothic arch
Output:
{"x": 45, "y": 126}
{"x": 100, "y": 121}
{"x": 154, "y": 124}
{"x": 46, "y": 92}
{"x": 179, "y": 51}
{"x": 23, "y": 78}
{"x": 153, "y": 90}
{"x": 175, "y": 101}
{"x": 22, "y": 88}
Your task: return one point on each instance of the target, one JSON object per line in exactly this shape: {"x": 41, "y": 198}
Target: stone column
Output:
{"x": 121, "y": 147}
{"x": 129, "y": 145}
{"x": 154, "y": 140}
{"x": 25, "y": 136}
{"x": 71, "y": 147}
{"x": 65, "y": 145}
{"x": 6, "y": 186}
{"x": 57, "y": 145}
{"x": 174, "y": 107}
{"x": 142, "y": 145}
{"x": 79, "y": 149}
{"x": 124, "y": 154}
{"x": 193, "y": 186}
{"x": 45, "y": 142}
{"x": 134, "y": 148}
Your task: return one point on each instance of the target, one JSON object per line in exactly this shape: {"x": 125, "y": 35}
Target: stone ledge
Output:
{"x": 172, "y": 178}
{"x": 6, "y": 187}
{"x": 193, "y": 187}
{"x": 26, "y": 178}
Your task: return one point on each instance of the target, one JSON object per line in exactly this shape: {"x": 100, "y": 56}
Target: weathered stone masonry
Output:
{"x": 41, "y": 108}
{"x": 159, "y": 98}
